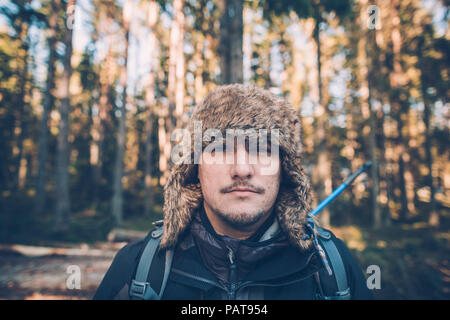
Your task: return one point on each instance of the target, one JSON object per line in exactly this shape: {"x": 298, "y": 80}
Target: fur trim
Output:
{"x": 242, "y": 107}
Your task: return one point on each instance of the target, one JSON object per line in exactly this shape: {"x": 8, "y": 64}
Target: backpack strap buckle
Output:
{"x": 142, "y": 290}
{"x": 340, "y": 295}
{"x": 137, "y": 288}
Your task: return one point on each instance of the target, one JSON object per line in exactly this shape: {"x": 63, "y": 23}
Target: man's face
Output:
{"x": 240, "y": 193}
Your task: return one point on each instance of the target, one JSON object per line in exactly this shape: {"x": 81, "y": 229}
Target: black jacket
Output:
{"x": 289, "y": 274}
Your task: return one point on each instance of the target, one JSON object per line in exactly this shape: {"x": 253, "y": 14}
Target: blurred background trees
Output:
{"x": 90, "y": 92}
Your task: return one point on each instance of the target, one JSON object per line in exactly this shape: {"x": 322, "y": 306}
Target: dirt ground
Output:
{"x": 41, "y": 273}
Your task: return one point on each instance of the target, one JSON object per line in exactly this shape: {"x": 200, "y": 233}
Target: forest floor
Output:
{"x": 413, "y": 259}
{"x": 41, "y": 273}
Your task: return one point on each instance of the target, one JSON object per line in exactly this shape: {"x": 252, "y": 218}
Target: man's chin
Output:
{"x": 242, "y": 219}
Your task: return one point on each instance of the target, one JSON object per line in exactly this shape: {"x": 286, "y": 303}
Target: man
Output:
{"x": 236, "y": 216}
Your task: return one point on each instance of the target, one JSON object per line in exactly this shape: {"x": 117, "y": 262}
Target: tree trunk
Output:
{"x": 199, "y": 68}
{"x": 150, "y": 102}
{"x": 176, "y": 68}
{"x": 230, "y": 42}
{"x": 400, "y": 107}
{"x": 433, "y": 215}
{"x": 101, "y": 117}
{"x": 180, "y": 67}
{"x": 174, "y": 113}
{"x": 318, "y": 20}
{"x": 117, "y": 200}
{"x": 20, "y": 110}
{"x": 62, "y": 165}
{"x": 322, "y": 170}
{"x": 376, "y": 210}
{"x": 149, "y": 198}
{"x": 47, "y": 105}
{"x": 368, "y": 37}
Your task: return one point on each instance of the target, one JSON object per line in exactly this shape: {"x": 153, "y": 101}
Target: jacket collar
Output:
{"x": 220, "y": 252}
{"x": 286, "y": 264}
{"x": 290, "y": 264}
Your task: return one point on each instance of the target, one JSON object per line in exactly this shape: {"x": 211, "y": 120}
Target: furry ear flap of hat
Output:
{"x": 240, "y": 106}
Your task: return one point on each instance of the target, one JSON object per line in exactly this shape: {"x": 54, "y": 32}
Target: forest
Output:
{"x": 91, "y": 91}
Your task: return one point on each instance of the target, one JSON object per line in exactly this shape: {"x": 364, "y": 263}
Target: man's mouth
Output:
{"x": 242, "y": 192}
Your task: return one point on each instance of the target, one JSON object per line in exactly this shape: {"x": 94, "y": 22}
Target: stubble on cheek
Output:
{"x": 239, "y": 212}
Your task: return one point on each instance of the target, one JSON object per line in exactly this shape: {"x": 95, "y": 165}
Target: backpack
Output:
{"x": 331, "y": 280}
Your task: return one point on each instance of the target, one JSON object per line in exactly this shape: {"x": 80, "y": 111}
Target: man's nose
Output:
{"x": 241, "y": 167}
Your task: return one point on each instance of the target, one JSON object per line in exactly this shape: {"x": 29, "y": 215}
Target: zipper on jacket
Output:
{"x": 200, "y": 279}
{"x": 233, "y": 275}
{"x": 234, "y": 285}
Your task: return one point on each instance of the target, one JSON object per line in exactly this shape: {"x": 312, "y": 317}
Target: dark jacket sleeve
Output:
{"x": 355, "y": 276}
{"x": 120, "y": 273}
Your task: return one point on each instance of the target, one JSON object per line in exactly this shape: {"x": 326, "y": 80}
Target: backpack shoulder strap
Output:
{"x": 340, "y": 281}
{"x": 140, "y": 286}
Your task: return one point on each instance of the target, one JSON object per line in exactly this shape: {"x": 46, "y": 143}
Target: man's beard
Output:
{"x": 240, "y": 221}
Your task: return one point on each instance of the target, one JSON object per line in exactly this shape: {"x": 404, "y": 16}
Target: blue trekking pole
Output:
{"x": 324, "y": 203}
{"x": 341, "y": 188}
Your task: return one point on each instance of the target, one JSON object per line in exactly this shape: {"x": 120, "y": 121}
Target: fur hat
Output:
{"x": 239, "y": 106}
